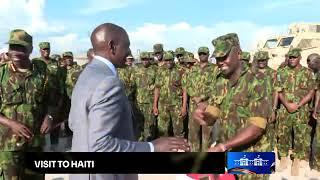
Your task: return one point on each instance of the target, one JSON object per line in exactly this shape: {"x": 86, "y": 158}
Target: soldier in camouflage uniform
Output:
{"x": 284, "y": 63}
{"x": 314, "y": 63}
{"x": 55, "y": 89}
{"x": 180, "y": 53}
{"x": 23, "y": 122}
{"x": 125, "y": 74}
{"x": 56, "y": 57}
{"x": 143, "y": 80}
{"x": 295, "y": 85}
{"x": 169, "y": 92}
{"x": 245, "y": 57}
{"x": 54, "y": 78}
{"x": 158, "y": 54}
{"x": 266, "y": 77}
{"x": 199, "y": 80}
{"x": 235, "y": 102}
{"x": 72, "y": 72}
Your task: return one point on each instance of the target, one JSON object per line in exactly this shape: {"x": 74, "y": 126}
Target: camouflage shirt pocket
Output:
{"x": 11, "y": 94}
{"x": 35, "y": 91}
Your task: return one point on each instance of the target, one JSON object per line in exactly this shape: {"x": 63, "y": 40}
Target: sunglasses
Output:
{"x": 203, "y": 54}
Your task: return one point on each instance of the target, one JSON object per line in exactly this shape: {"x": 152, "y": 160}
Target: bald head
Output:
{"x": 111, "y": 42}
{"x": 313, "y": 62}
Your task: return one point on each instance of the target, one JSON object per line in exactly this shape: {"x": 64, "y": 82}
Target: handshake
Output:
{"x": 171, "y": 144}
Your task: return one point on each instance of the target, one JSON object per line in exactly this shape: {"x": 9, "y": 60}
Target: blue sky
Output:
{"x": 68, "y": 24}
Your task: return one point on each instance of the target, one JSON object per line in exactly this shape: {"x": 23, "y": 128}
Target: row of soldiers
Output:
{"x": 35, "y": 101}
{"x": 232, "y": 105}
{"x": 282, "y": 102}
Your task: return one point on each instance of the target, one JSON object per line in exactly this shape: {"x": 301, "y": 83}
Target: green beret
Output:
{"x": 168, "y": 56}
{"x": 261, "y": 55}
{"x": 20, "y": 37}
{"x": 180, "y": 51}
{"x": 68, "y": 53}
{"x": 245, "y": 56}
{"x": 158, "y": 48}
{"x": 44, "y": 45}
{"x": 294, "y": 52}
{"x": 203, "y": 50}
{"x": 223, "y": 44}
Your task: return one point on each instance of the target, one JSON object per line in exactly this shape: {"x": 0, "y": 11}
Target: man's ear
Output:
{"x": 30, "y": 49}
{"x": 238, "y": 50}
{"x": 112, "y": 47}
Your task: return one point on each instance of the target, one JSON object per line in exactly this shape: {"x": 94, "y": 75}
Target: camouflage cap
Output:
{"x": 55, "y": 56}
{"x": 223, "y": 44}
{"x": 188, "y": 59}
{"x": 203, "y": 50}
{"x": 145, "y": 55}
{"x": 151, "y": 54}
{"x": 180, "y": 51}
{"x": 294, "y": 52}
{"x": 261, "y": 55}
{"x": 20, "y": 37}
{"x": 245, "y": 56}
{"x": 170, "y": 51}
{"x": 130, "y": 57}
{"x": 168, "y": 56}
{"x": 44, "y": 45}
{"x": 157, "y": 48}
{"x": 190, "y": 54}
{"x": 68, "y": 54}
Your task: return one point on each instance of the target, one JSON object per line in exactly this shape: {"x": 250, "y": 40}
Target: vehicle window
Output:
{"x": 271, "y": 43}
{"x": 286, "y": 41}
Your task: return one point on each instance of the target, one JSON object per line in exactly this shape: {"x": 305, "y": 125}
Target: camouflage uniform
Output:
{"x": 125, "y": 76}
{"x": 316, "y": 148}
{"x": 169, "y": 83}
{"x": 239, "y": 103}
{"x": 54, "y": 81}
{"x": 143, "y": 81}
{"x": 72, "y": 75}
{"x": 294, "y": 84}
{"x": 266, "y": 79}
{"x": 198, "y": 86}
{"x": 245, "y": 57}
{"x": 22, "y": 99}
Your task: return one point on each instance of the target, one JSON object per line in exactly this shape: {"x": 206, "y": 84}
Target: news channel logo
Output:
{"x": 251, "y": 162}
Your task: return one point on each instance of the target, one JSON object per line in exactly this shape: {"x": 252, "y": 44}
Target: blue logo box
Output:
{"x": 250, "y": 162}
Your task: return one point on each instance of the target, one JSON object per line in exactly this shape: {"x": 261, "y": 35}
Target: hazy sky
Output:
{"x": 191, "y": 24}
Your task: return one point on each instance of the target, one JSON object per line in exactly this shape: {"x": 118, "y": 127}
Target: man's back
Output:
{"x": 100, "y": 116}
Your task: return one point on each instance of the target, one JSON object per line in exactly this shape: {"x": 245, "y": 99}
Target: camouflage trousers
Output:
{"x": 271, "y": 136}
{"x": 293, "y": 133}
{"x": 317, "y": 148}
{"x": 199, "y": 137}
{"x": 169, "y": 121}
{"x": 145, "y": 122}
{"x": 12, "y": 167}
